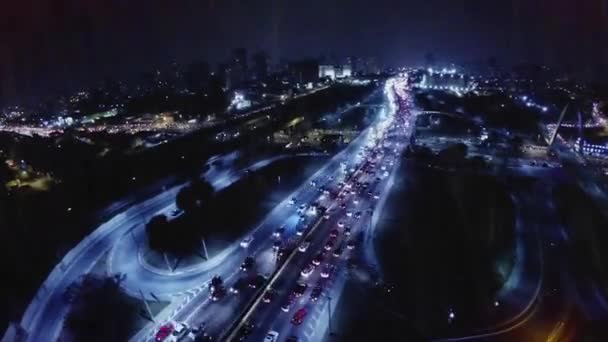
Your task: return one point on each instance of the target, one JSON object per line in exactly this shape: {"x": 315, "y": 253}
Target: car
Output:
{"x": 203, "y": 338}
{"x": 313, "y": 183}
{"x": 276, "y": 245}
{"x": 247, "y": 264}
{"x": 338, "y": 251}
{"x": 180, "y": 330}
{"x": 316, "y": 293}
{"x": 307, "y": 271}
{"x": 300, "y": 289}
{"x": 282, "y": 253}
{"x": 238, "y": 286}
{"x": 334, "y": 233}
{"x": 245, "y": 331}
{"x": 246, "y": 241}
{"x": 164, "y": 332}
{"x": 304, "y": 246}
{"x": 216, "y": 281}
{"x": 341, "y": 224}
{"x": 358, "y": 215}
{"x": 299, "y": 316}
{"x": 376, "y": 196}
{"x": 326, "y": 272}
{"x": 349, "y": 213}
{"x": 356, "y": 201}
{"x": 217, "y": 293}
{"x": 329, "y": 245}
{"x": 271, "y": 336}
{"x": 292, "y": 339}
{"x": 318, "y": 259}
{"x": 268, "y": 296}
{"x": 279, "y": 231}
{"x": 326, "y": 217}
{"x": 350, "y": 244}
{"x": 176, "y": 212}
{"x": 257, "y": 281}
{"x": 300, "y": 230}
{"x": 302, "y": 208}
{"x": 347, "y": 231}
{"x": 288, "y": 303}
{"x": 292, "y": 201}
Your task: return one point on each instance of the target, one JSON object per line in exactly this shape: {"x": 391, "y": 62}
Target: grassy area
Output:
{"x": 140, "y": 322}
{"x": 441, "y": 239}
{"x": 585, "y": 224}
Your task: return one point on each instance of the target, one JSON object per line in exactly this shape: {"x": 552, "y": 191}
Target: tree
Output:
{"x": 185, "y": 199}
{"x": 158, "y": 233}
{"x": 453, "y": 154}
{"x": 195, "y": 196}
{"x": 101, "y": 312}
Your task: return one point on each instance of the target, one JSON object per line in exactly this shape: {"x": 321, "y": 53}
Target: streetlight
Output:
{"x": 451, "y": 316}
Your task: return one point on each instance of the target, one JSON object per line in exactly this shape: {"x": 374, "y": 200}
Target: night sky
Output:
{"x": 50, "y": 46}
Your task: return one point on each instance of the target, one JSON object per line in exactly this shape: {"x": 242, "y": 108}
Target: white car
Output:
{"x": 246, "y": 241}
{"x": 349, "y": 213}
{"x": 181, "y": 329}
{"x": 302, "y": 208}
{"x": 304, "y": 246}
{"x": 272, "y": 336}
{"x": 340, "y": 224}
{"x": 356, "y": 201}
{"x": 326, "y": 272}
{"x": 307, "y": 271}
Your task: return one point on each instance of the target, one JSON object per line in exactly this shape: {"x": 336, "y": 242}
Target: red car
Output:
{"x": 164, "y": 332}
{"x": 299, "y": 316}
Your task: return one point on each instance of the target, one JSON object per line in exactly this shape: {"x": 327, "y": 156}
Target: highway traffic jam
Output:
{"x": 291, "y": 277}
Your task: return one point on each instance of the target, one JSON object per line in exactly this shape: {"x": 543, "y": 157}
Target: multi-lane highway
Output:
{"x": 320, "y": 226}
{"x": 47, "y": 310}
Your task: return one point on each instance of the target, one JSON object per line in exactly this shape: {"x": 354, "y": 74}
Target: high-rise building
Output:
{"x": 327, "y": 71}
{"x": 239, "y": 58}
{"x": 197, "y": 75}
{"x": 260, "y": 65}
{"x": 304, "y": 71}
{"x": 238, "y": 70}
{"x": 335, "y": 71}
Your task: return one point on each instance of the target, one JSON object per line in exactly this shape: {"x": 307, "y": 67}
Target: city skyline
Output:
{"x": 65, "y": 45}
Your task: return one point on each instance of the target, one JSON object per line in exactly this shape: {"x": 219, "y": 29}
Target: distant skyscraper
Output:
{"x": 238, "y": 69}
{"x": 239, "y": 58}
{"x": 327, "y": 71}
{"x": 197, "y": 75}
{"x": 304, "y": 71}
{"x": 260, "y": 61}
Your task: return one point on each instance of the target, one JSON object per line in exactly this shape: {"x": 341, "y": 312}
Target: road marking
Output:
{"x": 310, "y": 334}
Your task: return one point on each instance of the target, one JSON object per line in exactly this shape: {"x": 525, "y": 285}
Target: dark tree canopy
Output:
{"x": 101, "y": 312}
{"x": 182, "y": 235}
{"x": 158, "y": 232}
